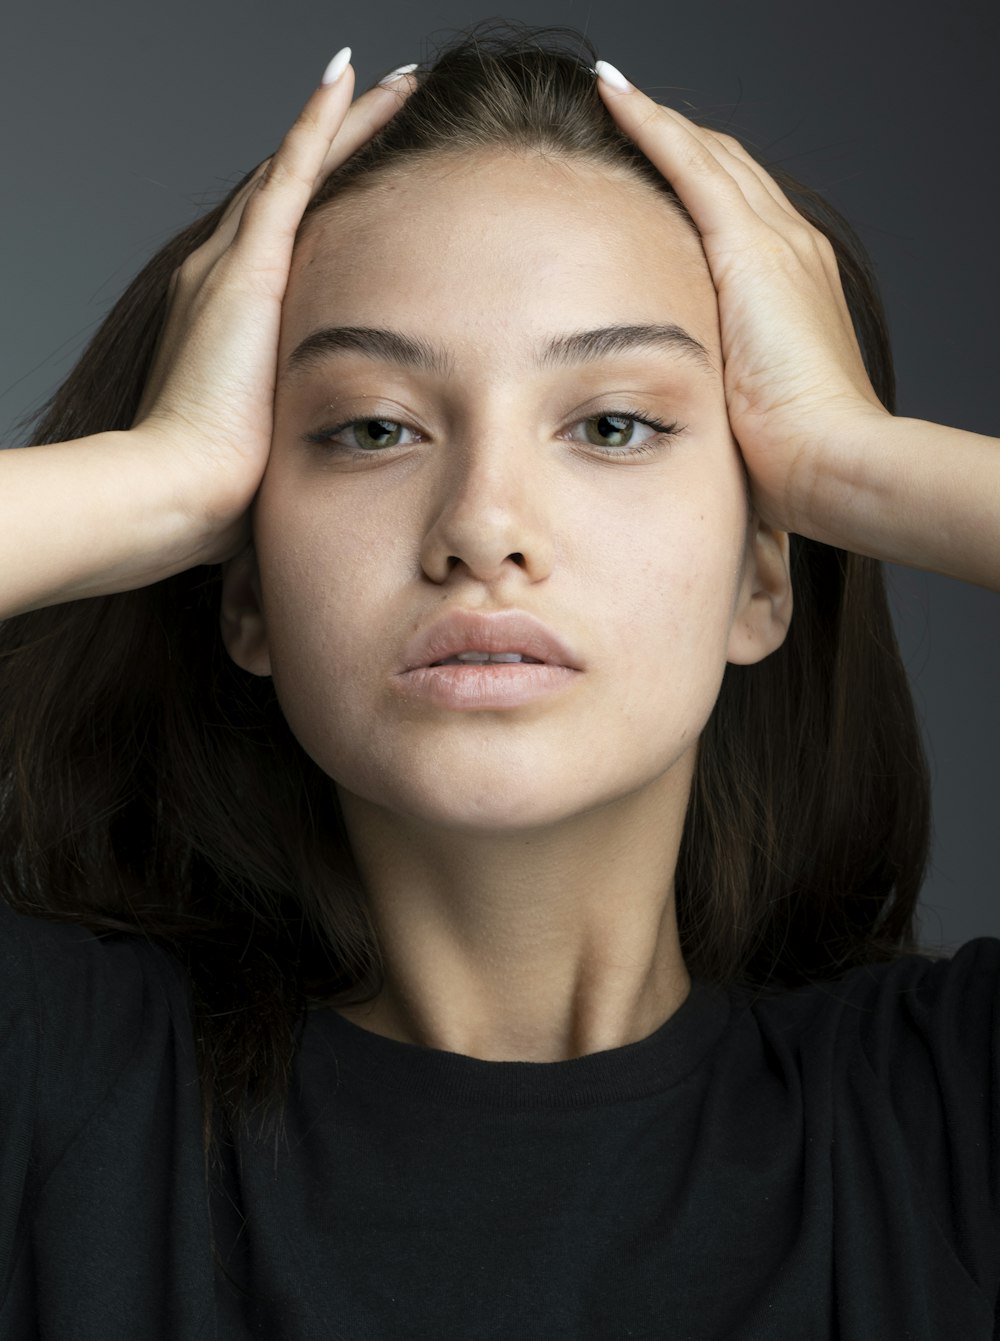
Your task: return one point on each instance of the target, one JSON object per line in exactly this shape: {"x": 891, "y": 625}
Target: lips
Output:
{"x": 499, "y": 631}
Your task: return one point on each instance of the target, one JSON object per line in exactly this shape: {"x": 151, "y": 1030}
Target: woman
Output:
{"x": 618, "y": 1026}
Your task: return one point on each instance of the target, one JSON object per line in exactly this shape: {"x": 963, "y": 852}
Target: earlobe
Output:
{"x": 765, "y": 601}
{"x": 241, "y": 614}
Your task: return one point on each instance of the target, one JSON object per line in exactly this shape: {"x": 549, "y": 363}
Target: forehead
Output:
{"x": 493, "y": 244}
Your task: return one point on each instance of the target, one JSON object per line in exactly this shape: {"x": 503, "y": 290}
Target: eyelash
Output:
{"x": 322, "y": 438}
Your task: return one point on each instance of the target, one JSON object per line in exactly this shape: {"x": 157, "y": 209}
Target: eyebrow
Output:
{"x": 562, "y": 350}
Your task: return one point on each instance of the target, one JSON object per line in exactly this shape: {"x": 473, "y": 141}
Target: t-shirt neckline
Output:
{"x": 367, "y": 1060}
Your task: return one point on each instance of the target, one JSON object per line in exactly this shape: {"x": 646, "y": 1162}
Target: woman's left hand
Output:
{"x": 797, "y": 392}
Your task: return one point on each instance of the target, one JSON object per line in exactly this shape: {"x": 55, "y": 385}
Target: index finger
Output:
{"x": 369, "y": 113}
{"x": 713, "y": 175}
{"x": 363, "y": 118}
{"x": 328, "y": 130}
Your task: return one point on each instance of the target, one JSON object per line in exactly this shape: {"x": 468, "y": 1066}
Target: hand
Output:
{"x": 797, "y": 392}
{"x": 207, "y": 405}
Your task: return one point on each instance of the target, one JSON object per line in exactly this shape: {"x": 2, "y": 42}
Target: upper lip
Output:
{"x": 501, "y": 631}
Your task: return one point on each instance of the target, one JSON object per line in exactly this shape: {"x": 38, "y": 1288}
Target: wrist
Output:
{"x": 911, "y": 492}
{"x": 89, "y": 517}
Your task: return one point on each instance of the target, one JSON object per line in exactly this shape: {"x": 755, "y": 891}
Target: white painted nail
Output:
{"x": 337, "y": 66}
{"x": 395, "y": 74}
{"x": 611, "y": 76}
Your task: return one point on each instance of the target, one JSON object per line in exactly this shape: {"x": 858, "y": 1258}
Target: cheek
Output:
{"x": 311, "y": 571}
{"x": 320, "y": 608}
{"x": 668, "y": 606}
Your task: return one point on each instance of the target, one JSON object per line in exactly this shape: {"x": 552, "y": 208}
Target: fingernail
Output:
{"x": 611, "y": 76}
{"x": 390, "y": 78}
{"x": 337, "y": 66}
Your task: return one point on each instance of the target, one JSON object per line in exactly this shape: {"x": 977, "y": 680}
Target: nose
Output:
{"x": 489, "y": 514}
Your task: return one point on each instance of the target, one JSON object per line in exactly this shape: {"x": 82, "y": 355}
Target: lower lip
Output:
{"x": 500, "y": 685}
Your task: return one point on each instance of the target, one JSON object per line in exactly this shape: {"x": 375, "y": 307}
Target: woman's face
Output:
{"x": 505, "y": 480}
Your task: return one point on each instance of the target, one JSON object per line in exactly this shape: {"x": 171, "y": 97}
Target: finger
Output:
{"x": 818, "y": 246}
{"x": 348, "y": 126}
{"x": 362, "y": 119}
{"x": 736, "y": 152}
{"x": 327, "y": 131}
{"x": 764, "y": 203}
{"x": 819, "y": 243}
{"x": 716, "y": 185}
{"x": 367, "y": 114}
{"x": 760, "y": 191}
{"x": 243, "y": 193}
{"x": 720, "y": 183}
{"x": 324, "y": 135}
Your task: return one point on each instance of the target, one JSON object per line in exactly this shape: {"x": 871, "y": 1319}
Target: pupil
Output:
{"x": 383, "y": 424}
{"x": 608, "y": 419}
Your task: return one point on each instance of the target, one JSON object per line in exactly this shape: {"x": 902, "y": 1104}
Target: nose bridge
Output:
{"x": 489, "y": 494}
{"x": 492, "y": 438}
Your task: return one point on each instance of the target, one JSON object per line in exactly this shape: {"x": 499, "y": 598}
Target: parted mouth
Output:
{"x": 474, "y": 637}
{"x": 479, "y": 658}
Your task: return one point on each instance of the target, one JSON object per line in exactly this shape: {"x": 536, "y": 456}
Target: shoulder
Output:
{"x": 62, "y": 972}
{"x": 943, "y": 1008}
{"x": 98, "y": 1097}
{"x": 894, "y": 1071}
{"x": 916, "y": 1041}
{"x": 79, "y": 1012}
{"x": 899, "y": 1064}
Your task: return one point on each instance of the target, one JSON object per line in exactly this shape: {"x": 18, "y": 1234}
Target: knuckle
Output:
{"x": 186, "y": 273}
{"x": 283, "y": 168}
{"x": 244, "y": 269}
{"x": 278, "y": 174}
{"x": 779, "y": 250}
{"x": 697, "y": 155}
{"x": 824, "y": 246}
{"x": 800, "y": 232}
{"x": 308, "y": 121}
{"x": 658, "y": 115}
{"x": 729, "y": 141}
{"x": 220, "y": 272}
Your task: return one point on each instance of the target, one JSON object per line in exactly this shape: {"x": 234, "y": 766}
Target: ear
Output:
{"x": 764, "y": 601}
{"x": 241, "y": 614}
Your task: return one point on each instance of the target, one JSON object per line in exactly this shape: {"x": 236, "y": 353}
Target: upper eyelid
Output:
{"x": 612, "y": 407}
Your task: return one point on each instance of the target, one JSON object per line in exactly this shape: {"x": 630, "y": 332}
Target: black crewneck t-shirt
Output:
{"x": 820, "y": 1164}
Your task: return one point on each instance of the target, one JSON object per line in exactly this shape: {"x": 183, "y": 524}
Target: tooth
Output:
{"x": 482, "y": 658}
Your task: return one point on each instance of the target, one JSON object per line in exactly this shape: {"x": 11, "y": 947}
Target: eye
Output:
{"x": 619, "y": 424}
{"x": 371, "y": 435}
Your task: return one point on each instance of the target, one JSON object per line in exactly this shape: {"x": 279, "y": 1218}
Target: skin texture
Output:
{"x": 519, "y": 863}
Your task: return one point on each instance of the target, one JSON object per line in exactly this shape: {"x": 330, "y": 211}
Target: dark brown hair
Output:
{"x": 150, "y": 786}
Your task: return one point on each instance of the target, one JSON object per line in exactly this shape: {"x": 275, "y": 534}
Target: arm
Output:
{"x": 85, "y": 518}
{"x": 913, "y": 493}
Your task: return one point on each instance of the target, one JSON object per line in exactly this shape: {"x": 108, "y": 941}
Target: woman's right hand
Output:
{"x": 207, "y": 406}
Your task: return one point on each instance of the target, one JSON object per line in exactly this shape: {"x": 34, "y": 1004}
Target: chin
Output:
{"x": 481, "y": 806}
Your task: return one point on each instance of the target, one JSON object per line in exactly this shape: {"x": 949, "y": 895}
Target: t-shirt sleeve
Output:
{"x": 71, "y": 1008}
{"x": 932, "y": 1037}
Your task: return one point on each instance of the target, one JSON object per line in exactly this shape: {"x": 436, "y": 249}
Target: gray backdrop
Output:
{"x": 124, "y": 120}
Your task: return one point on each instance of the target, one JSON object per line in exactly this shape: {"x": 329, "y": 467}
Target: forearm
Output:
{"x": 85, "y": 518}
{"x": 914, "y": 493}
